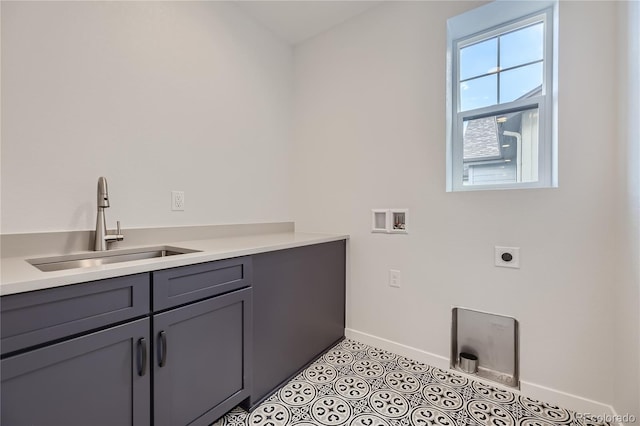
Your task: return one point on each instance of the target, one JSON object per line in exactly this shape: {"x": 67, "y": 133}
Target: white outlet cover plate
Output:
{"x": 513, "y": 251}
{"x": 395, "y": 278}
{"x": 177, "y": 200}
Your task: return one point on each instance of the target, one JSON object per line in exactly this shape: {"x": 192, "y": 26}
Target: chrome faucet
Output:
{"x": 103, "y": 237}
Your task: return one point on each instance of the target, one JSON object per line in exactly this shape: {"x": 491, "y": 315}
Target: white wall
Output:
{"x": 370, "y": 133}
{"x": 163, "y": 96}
{"x": 627, "y": 333}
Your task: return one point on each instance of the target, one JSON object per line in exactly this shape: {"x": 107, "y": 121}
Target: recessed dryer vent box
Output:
{"x": 492, "y": 338}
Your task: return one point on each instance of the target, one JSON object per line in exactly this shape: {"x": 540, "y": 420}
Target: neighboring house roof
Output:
{"x": 481, "y": 139}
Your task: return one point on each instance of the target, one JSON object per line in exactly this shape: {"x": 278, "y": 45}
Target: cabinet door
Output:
{"x": 95, "y": 379}
{"x": 299, "y": 303}
{"x": 201, "y": 367}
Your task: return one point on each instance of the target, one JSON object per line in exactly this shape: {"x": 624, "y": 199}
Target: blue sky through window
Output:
{"x": 501, "y": 69}
{"x": 479, "y": 58}
{"x": 522, "y": 46}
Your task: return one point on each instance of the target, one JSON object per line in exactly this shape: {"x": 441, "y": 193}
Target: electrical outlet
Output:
{"x": 395, "y": 278}
{"x": 177, "y": 200}
{"x": 507, "y": 257}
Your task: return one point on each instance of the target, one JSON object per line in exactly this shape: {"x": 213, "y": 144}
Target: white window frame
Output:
{"x": 483, "y": 23}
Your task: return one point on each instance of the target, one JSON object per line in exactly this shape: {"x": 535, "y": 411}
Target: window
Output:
{"x": 501, "y": 97}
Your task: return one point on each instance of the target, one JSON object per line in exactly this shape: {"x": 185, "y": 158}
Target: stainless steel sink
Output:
{"x": 87, "y": 260}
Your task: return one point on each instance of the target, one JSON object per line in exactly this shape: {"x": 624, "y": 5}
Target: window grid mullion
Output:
{"x": 502, "y": 108}
{"x": 499, "y": 71}
{"x": 537, "y": 61}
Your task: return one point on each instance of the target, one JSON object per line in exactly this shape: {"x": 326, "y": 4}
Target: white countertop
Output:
{"x": 17, "y": 275}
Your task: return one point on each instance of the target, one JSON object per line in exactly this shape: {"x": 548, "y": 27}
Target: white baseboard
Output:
{"x": 398, "y": 348}
{"x": 576, "y": 403}
{"x": 532, "y": 390}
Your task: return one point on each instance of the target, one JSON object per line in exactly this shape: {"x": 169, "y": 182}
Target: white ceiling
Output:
{"x": 296, "y": 21}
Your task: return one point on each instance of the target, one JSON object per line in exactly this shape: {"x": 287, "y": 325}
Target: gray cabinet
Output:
{"x": 202, "y": 332}
{"x": 51, "y": 377}
{"x": 123, "y": 352}
{"x": 101, "y": 378}
{"x": 201, "y": 369}
{"x": 179, "y": 346}
{"x": 298, "y": 311}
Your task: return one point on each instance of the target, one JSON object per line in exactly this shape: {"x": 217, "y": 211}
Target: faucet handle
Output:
{"x": 119, "y": 236}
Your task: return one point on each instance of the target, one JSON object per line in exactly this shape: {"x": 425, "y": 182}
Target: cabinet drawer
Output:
{"x": 177, "y": 286}
{"x": 33, "y": 318}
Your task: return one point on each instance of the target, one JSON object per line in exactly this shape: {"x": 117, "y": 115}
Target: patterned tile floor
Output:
{"x": 357, "y": 385}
